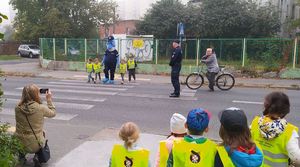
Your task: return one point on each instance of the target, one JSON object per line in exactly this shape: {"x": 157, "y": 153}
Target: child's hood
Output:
{"x": 241, "y": 159}
{"x": 269, "y": 128}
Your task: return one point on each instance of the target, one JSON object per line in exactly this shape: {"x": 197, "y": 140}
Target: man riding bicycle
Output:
{"x": 210, "y": 59}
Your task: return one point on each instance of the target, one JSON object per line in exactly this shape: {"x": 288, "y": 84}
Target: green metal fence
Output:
{"x": 259, "y": 53}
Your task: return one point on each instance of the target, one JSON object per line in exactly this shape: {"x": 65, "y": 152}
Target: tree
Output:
{"x": 9, "y": 33}
{"x": 162, "y": 19}
{"x": 2, "y": 16}
{"x": 105, "y": 13}
{"x": 212, "y": 19}
{"x": 63, "y": 18}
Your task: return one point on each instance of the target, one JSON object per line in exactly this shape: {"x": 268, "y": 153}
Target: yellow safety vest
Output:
{"x": 274, "y": 150}
{"x": 163, "y": 154}
{"x": 226, "y": 160}
{"x": 89, "y": 67}
{"x": 122, "y": 68}
{"x": 123, "y": 158}
{"x": 131, "y": 64}
{"x": 97, "y": 67}
{"x": 187, "y": 154}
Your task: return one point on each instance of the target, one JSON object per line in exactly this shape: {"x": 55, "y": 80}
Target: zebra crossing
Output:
{"x": 73, "y": 97}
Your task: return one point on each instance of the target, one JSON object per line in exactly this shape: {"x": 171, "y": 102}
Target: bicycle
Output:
{"x": 224, "y": 80}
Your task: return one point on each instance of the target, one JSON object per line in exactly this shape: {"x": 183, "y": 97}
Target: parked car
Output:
{"x": 29, "y": 50}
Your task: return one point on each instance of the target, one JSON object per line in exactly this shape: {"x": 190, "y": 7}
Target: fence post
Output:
{"x": 66, "y": 46}
{"x": 54, "y": 58}
{"x": 97, "y": 47}
{"x": 42, "y": 48}
{"x": 197, "y": 58}
{"x": 295, "y": 52}
{"x": 244, "y": 52}
{"x": 85, "y": 49}
{"x": 156, "y": 50}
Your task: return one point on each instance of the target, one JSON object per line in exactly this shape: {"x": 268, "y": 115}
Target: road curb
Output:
{"x": 240, "y": 85}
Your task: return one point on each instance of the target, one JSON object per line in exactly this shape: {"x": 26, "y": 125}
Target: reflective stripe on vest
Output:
{"x": 122, "y": 68}
{"x": 131, "y": 64}
{"x": 187, "y": 154}
{"x": 226, "y": 161}
{"x": 121, "y": 157}
{"x": 163, "y": 154}
{"x": 97, "y": 67}
{"x": 274, "y": 149}
{"x": 89, "y": 67}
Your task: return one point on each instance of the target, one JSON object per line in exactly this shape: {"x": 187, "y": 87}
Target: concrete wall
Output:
{"x": 142, "y": 68}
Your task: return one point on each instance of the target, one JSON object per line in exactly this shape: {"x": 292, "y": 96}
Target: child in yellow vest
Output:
{"x": 277, "y": 137}
{"x": 122, "y": 69}
{"x": 237, "y": 148}
{"x": 194, "y": 149}
{"x": 178, "y": 131}
{"x": 131, "y": 65}
{"x": 90, "y": 69}
{"x": 129, "y": 154}
{"x": 97, "y": 69}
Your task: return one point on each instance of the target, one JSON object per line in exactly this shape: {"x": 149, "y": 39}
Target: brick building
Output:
{"x": 121, "y": 27}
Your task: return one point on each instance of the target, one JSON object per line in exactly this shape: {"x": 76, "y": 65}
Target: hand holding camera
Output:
{"x": 47, "y": 92}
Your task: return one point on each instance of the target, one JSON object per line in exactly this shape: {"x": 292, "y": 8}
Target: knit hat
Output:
{"x": 177, "y": 122}
{"x": 198, "y": 119}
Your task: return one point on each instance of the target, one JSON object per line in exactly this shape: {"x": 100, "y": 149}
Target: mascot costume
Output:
{"x": 110, "y": 61}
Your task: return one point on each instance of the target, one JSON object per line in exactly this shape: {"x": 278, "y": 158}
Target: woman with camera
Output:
{"x": 30, "y": 113}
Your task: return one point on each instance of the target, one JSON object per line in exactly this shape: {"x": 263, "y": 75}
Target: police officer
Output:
{"x": 175, "y": 63}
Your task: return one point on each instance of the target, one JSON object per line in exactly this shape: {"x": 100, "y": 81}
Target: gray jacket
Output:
{"x": 211, "y": 63}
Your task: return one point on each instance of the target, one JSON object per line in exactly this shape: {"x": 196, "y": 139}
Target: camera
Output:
{"x": 44, "y": 90}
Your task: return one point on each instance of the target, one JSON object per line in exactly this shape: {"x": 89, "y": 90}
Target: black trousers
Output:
{"x": 131, "y": 72}
{"x": 110, "y": 68}
{"x": 211, "y": 79}
{"x": 175, "y": 78}
{"x": 97, "y": 74}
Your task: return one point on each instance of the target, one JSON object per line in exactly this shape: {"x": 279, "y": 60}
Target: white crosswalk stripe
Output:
{"x": 116, "y": 77}
{"x": 188, "y": 92}
{"x": 61, "y": 105}
{"x": 154, "y": 96}
{"x": 81, "y": 91}
{"x": 61, "y": 97}
{"x": 86, "y": 84}
{"x": 94, "y": 87}
{"x": 59, "y": 116}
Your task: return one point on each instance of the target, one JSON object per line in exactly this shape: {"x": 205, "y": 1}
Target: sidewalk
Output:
{"x": 97, "y": 151}
{"x": 32, "y": 69}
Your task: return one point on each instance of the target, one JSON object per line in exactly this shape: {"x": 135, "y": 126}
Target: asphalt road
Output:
{"x": 86, "y": 109}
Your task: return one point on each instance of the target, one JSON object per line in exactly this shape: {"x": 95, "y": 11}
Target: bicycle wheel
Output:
{"x": 225, "y": 81}
{"x": 194, "y": 81}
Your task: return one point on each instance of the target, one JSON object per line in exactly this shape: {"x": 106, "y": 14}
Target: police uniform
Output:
{"x": 175, "y": 63}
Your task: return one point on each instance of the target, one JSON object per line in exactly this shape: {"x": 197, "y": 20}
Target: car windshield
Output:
{"x": 33, "y": 47}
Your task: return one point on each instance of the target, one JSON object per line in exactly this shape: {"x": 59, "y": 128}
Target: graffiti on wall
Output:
{"x": 141, "y": 48}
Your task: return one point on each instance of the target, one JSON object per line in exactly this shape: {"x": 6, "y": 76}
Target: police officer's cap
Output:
{"x": 176, "y": 41}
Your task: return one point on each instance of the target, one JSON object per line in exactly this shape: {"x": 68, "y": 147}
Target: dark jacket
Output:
{"x": 176, "y": 57}
{"x": 111, "y": 56}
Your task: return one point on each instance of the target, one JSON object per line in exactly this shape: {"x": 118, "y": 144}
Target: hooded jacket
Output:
{"x": 241, "y": 159}
{"x": 35, "y": 113}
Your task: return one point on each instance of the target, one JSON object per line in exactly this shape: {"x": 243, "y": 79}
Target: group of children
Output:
{"x": 95, "y": 66}
{"x": 269, "y": 141}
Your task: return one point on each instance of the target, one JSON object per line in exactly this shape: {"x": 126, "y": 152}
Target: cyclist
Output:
{"x": 210, "y": 59}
